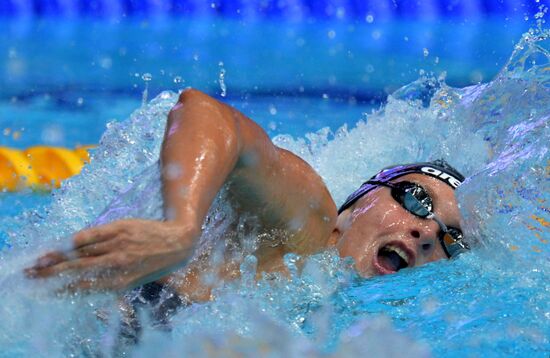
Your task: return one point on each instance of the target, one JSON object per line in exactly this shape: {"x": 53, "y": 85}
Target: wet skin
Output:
{"x": 377, "y": 220}
{"x": 211, "y": 145}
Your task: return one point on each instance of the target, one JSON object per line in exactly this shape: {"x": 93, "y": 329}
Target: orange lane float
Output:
{"x": 39, "y": 167}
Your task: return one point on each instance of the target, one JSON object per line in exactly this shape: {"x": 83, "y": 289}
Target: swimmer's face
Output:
{"x": 377, "y": 228}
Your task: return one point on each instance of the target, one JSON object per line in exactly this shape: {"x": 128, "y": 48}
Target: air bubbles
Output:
{"x": 147, "y": 77}
{"x": 178, "y": 80}
{"x": 369, "y": 18}
{"x": 272, "y": 110}
{"x": 221, "y": 80}
{"x": 425, "y": 52}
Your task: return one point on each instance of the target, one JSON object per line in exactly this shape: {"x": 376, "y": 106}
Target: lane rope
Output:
{"x": 40, "y": 167}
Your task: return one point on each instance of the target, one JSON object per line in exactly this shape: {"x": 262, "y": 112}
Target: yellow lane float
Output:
{"x": 39, "y": 167}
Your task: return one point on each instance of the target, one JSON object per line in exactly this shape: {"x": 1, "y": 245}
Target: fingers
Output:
{"x": 89, "y": 243}
{"x": 55, "y": 258}
{"x": 97, "y": 234}
{"x": 48, "y": 271}
{"x": 50, "y": 259}
{"x": 99, "y": 249}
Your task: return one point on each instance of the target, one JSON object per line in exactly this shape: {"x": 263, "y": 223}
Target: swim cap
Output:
{"x": 439, "y": 169}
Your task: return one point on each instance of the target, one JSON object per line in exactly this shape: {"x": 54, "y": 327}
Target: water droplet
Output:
{"x": 221, "y": 80}
{"x": 53, "y": 134}
{"x": 172, "y": 171}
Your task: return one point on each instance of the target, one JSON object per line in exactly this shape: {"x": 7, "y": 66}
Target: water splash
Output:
{"x": 221, "y": 80}
{"x": 146, "y": 77}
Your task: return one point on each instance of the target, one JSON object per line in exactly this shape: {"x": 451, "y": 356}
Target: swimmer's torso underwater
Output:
{"x": 206, "y": 234}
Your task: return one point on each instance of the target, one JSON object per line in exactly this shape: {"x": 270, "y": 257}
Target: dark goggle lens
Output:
{"x": 452, "y": 242}
{"x": 413, "y": 197}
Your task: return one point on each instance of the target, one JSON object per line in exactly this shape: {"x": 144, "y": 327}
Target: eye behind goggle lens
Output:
{"x": 414, "y": 198}
{"x": 412, "y": 204}
{"x": 452, "y": 240}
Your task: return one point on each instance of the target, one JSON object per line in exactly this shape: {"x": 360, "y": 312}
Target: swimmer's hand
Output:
{"x": 120, "y": 255}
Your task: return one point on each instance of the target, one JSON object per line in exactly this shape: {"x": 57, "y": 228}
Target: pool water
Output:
{"x": 65, "y": 80}
{"x": 492, "y": 301}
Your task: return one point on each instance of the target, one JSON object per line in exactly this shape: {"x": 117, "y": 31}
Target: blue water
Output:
{"x": 490, "y": 302}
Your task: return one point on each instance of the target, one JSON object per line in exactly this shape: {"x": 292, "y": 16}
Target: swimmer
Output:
{"x": 405, "y": 216}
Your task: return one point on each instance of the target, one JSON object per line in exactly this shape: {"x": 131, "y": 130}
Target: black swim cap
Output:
{"x": 439, "y": 169}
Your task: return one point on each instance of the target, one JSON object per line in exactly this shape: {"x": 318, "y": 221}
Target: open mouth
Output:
{"x": 392, "y": 258}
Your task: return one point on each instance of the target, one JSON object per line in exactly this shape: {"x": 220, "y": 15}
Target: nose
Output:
{"x": 425, "y": 237}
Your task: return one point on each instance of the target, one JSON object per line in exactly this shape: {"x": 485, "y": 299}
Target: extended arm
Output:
{"x": 206, "y": 144}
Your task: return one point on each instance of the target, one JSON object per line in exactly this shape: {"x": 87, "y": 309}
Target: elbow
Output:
{"x": 192, "y": 95}
{"x": 195, "y": 109}
{"x": 189, "y": 97}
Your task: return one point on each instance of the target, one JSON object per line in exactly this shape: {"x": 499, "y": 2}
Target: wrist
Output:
{"x": 183, "y": 235}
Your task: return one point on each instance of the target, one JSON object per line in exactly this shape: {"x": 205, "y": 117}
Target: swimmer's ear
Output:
{"x": 342, "y": 223}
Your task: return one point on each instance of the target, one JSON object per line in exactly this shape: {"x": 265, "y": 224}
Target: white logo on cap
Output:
{"x": 454, "y": 182}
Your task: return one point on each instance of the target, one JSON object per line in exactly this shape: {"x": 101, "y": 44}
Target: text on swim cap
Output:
{"x": 454, "y": 182}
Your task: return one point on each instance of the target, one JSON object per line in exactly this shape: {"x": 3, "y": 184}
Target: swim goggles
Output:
{"x": 416, "y": 200}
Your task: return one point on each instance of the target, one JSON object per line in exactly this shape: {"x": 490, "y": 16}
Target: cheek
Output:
{"x": 438, "y": 254}
{"x": 384, "y": 222}
{"x": 361, "y": 245}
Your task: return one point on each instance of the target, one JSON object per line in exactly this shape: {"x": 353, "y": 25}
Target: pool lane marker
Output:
{"x": 39, "y": 167}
